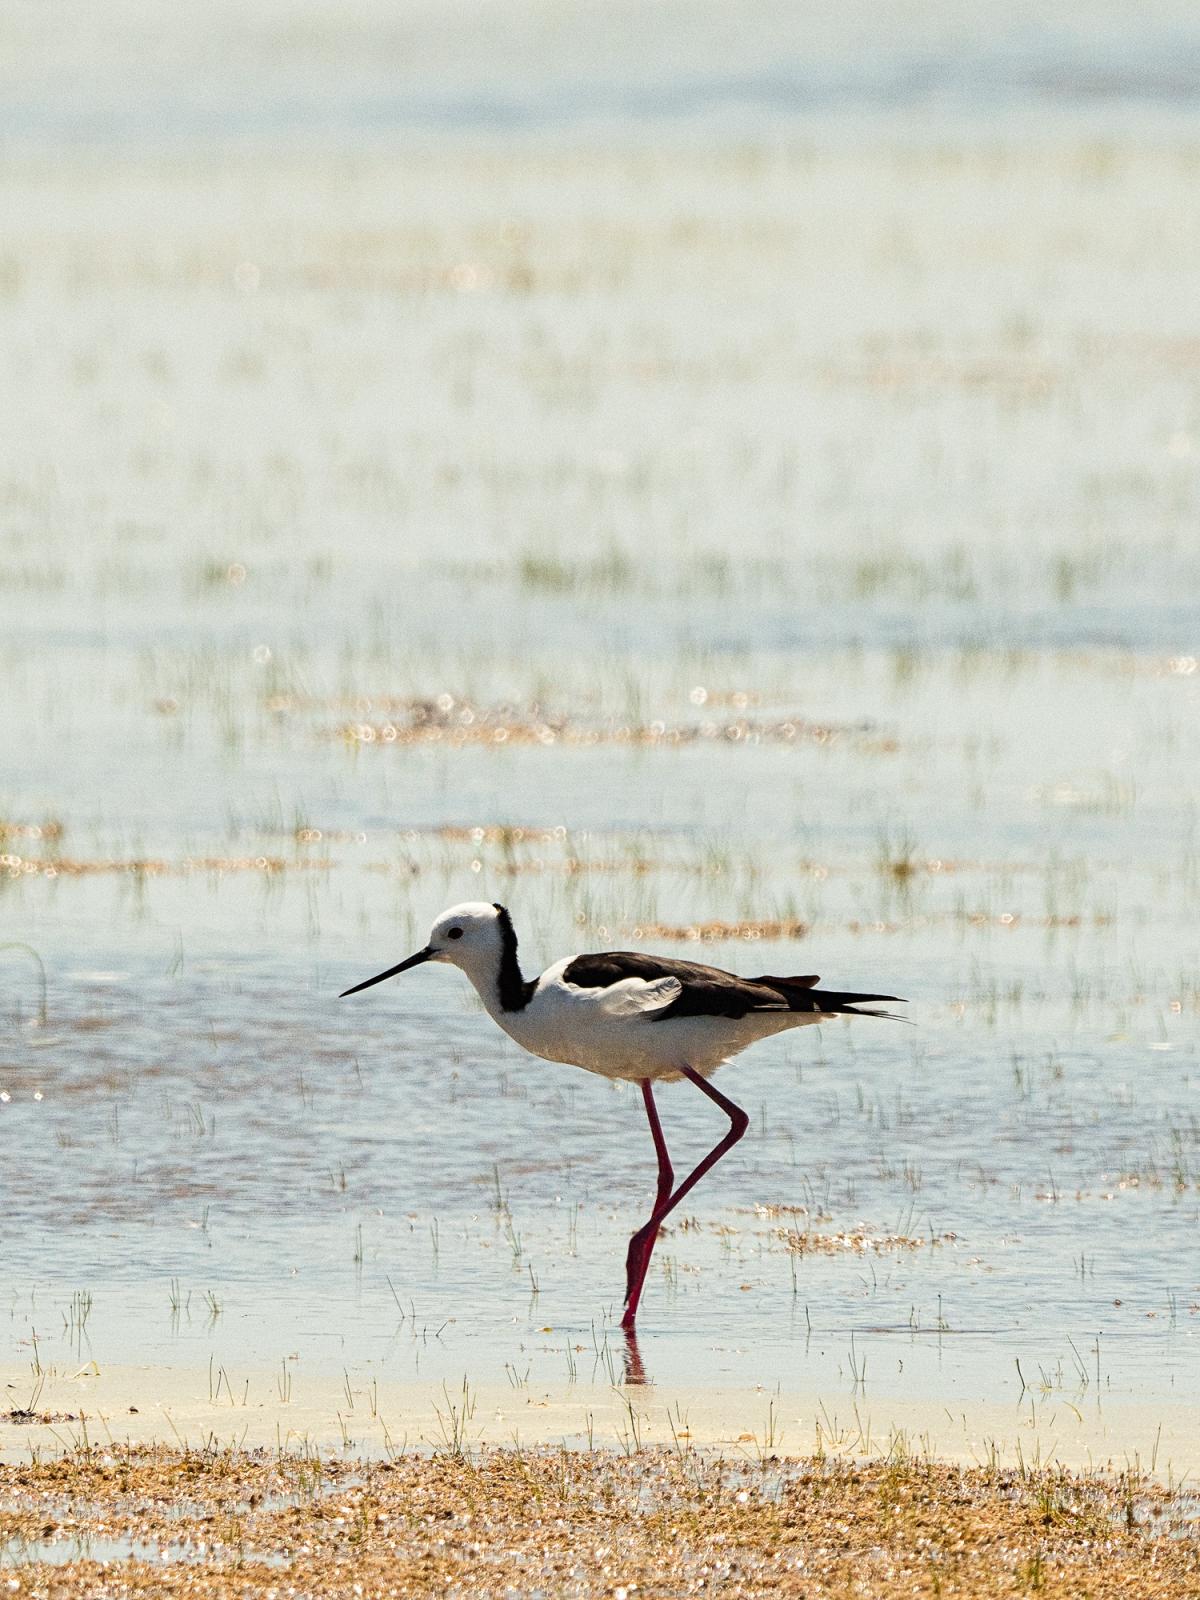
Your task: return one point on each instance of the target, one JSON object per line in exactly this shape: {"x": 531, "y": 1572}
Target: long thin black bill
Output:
{"x": 413, "y": 961}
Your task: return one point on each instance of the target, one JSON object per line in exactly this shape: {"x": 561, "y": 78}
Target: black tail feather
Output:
{"x": 832, "y": 1002}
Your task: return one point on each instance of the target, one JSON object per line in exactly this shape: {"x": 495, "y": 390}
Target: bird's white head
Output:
{"x": 469, "y": 934}
{"x": 472, "y": 936}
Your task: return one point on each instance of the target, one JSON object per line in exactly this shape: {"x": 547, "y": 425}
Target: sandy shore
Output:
{"x": 293, "y": 1410}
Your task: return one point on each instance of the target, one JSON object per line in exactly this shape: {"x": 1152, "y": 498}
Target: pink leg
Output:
{"x": 637, "y": 1259}
{"x": 642, "y": 1243}
{"x": 666, "y": 1173}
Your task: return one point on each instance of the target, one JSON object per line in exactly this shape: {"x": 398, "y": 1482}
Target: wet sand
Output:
{"x": 121, "y": 1407}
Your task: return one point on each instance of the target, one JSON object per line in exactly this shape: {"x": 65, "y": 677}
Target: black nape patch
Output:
{"x": 515, "y": 991}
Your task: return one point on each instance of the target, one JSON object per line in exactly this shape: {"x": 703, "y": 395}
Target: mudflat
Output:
{"x": 558, "y": 1522}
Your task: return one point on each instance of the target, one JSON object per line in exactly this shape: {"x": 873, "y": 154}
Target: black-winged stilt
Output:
{"x": 647, "y": 1019}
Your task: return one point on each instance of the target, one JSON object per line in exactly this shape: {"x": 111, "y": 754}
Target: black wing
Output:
{"x": 710, "y": 991}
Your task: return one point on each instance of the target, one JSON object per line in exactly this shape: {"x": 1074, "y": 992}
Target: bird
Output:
{"x": 628, "y": 1015}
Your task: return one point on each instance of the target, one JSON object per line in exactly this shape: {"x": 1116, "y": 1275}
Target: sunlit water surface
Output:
{"x": 770, "y": 540}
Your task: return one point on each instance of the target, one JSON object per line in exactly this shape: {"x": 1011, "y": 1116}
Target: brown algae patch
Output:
{"x": 49, "y": 831}
{"x": 15, "y": 866}
{"x": 452, "y": 722}
{"x": 645, "y": 1523}
{"x": 715, "y": 932}
{"x": 802, "y": 1242}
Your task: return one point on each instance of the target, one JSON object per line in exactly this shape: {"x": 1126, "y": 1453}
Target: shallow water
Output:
{"x": 783, "y": 532}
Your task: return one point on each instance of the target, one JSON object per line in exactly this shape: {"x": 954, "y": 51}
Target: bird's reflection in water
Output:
{"x": 635, "y": 1372}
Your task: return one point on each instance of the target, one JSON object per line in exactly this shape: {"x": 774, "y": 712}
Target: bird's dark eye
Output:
{"x": 454, "y": 933}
